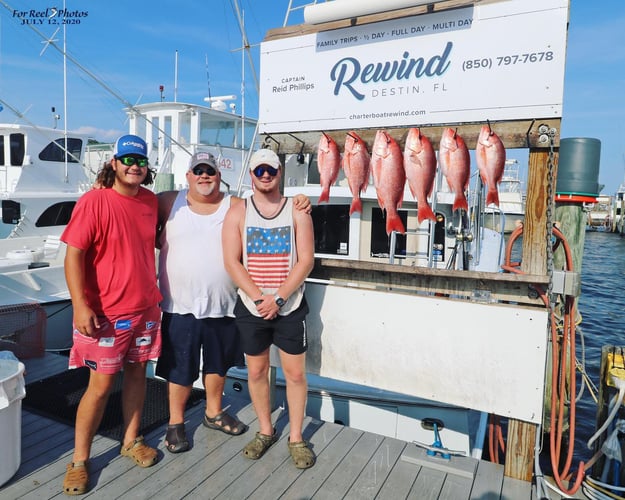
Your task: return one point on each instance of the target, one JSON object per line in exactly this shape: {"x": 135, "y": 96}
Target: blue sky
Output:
{"x": 131, "y": 47}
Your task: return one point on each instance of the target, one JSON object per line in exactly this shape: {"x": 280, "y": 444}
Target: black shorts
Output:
{"x": 184, "y": 336}
{"x": 288, "y": 333}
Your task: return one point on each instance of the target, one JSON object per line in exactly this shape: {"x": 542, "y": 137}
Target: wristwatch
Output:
{"x": 279, "y": 300}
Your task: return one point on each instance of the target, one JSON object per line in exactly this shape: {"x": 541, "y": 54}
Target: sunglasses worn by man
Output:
{"x": 200, "y": 170}
{"x": 261, "y": 169}
{"x": 129, "y": 161}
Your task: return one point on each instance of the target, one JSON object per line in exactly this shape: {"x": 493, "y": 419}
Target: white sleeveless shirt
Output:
{"x": 192, "y": 277}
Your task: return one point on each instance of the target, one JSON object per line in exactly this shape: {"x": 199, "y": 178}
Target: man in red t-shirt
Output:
{"x": 111, "y": 275}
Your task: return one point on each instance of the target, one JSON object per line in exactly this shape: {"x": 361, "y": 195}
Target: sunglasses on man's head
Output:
{"x": 129, "y": 161}
{"x": 261, "y": 169}
{"x": 208, "y": 170}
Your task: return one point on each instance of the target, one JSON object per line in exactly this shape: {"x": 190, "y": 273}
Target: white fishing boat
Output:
{"x": 427, "y": 314}
{"x": 600, "y": 213}
{"x": 511, "y": 210}
{"x": 40, "y": 182}
{"x": 386, "y": 310}
{"x": 618, "y": 210}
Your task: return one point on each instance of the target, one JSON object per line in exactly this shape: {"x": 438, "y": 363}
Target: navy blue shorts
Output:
{"x": 288, "y": 333}
{"x": 183, "y": 336}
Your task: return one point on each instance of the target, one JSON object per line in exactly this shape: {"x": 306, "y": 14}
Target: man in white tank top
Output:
{"x": 198, "y": 299}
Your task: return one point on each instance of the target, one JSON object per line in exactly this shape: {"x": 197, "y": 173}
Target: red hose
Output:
{"x": 558, "y": 368}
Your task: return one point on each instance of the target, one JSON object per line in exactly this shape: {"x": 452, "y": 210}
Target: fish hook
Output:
{"x": 490, "y": 130}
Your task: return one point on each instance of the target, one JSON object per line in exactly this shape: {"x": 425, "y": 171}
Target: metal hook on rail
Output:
{"x": 527, "y": 134}
{"x": 300, "y": 155}
{"x": 266, "y": 143}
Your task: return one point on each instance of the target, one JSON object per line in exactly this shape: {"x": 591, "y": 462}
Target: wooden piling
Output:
{"x": 522, "y": 435}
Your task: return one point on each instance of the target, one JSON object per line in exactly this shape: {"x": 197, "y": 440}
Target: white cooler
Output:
{"x": 12, "y": 391}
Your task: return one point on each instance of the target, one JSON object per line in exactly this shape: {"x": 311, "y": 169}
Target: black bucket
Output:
{"x": 578, "y": 167}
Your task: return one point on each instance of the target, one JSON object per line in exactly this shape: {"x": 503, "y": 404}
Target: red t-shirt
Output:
{"x": 117, "y": 233}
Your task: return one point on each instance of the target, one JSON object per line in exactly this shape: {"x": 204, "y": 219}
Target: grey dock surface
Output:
{"x": 350, "y": 463}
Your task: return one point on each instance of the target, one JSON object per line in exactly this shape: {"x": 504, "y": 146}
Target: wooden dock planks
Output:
{"x": 351, "y": 464}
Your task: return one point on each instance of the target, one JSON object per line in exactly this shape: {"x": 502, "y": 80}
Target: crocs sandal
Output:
{"x": 302, "y": 455}
{"x": 76, "y": 478}
{"x": 176, "y": 439}
{"x": 225, "y": 422}
{"x": 141, "y": 453}
{"x": 257, "y": 447}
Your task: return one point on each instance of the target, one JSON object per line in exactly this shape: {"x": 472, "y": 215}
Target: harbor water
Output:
{"x": 601, "y": 304}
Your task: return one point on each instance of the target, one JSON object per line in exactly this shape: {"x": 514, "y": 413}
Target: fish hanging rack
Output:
{"x": 514, "y": 134}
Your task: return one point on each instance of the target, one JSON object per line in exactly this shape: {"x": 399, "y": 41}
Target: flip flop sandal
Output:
{"x": 141, "y": 453}
{"x": 176, "y": 439}
{"x": 225, "y": 422}
{"x": 257, "y": 447}
{"x": 76, "y": 478}
{"x": 302, "y": 455}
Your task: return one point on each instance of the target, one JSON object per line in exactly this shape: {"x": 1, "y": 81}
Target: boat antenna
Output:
{"x": 208, "y": 78}
{"x": 51, "y": 41}
{"x": 246, "y": 44}
{"x": 176, "y": 77}
{"x": 65, "y": 145}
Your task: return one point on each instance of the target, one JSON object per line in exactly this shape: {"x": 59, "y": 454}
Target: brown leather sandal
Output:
{"x": 176, "y": 439}
{"x": 76, "y": 479}
{"x": 141, "y": 453}
{"x": 225, "y": 422}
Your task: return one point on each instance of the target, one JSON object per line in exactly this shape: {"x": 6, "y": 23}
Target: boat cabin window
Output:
{"x": 54, "y": 151}
{"x": 10, "y": 212}
{"x": 331, "y": 226}
{"x": 380, "y": 241}
{"x": 17, "y": 152}
{"x": 56, "y": 215}
{"x": 225, "y": 132}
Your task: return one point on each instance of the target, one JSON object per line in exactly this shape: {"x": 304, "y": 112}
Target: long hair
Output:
{"x": 106, "y": 176}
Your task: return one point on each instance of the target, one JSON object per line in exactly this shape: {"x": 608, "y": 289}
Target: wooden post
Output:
{"x": 536, "y": 204}
{"x": 522, "y": 435}
{"x": 572, "y": 222}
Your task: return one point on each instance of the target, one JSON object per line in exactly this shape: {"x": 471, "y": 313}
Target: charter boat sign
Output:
{"x": 494, "y": 61}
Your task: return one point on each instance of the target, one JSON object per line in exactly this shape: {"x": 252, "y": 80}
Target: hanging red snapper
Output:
{"x": 490, "y": 156}
{"x": 389, "y": 177}
{"x": 328, "y": 164}
{"x": 356, "y": 161}
{"x": 455, "y": 163}
{"x": 420, "y": 166}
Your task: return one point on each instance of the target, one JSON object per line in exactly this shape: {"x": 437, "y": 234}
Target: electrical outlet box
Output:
{"x": 566, "y": 283}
